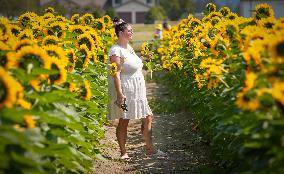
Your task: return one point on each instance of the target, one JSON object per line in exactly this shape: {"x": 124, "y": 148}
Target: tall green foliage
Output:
{"x": 155, "y": 13}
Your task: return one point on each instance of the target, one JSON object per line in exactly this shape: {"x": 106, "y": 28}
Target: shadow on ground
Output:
{"x": 173, "y": 135}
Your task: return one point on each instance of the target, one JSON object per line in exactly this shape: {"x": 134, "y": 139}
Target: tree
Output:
{"x": 155, "y": 13}
{"x": 111, "y": 12}
{"x": 14, "y": 8}
{"x": 175, "y": 9}
{"x": 98, "y": 12}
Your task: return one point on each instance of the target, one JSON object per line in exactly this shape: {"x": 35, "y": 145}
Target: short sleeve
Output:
{"x": 115, "y": 51}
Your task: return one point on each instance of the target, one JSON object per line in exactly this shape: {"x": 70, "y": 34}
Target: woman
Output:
{"x": 128, "y": 86}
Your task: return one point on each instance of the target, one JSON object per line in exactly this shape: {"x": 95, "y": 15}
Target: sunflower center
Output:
{"x": 264, "y": 12}
{"x": 52, "y": 53}
{"x": 25, "y": 21}
{"x": 3, "y": 28}
{"x": 70, "y": 57}
{"x": 15, "y": 31}
{"x": 3, "y": 59}
{"x": 50, "y": 42}
{"x": 280, "y": 49}
{"x": 3, "y": 91}
{"x": 78, "y": 31}
{"x": 54, "y": 76}
{"x": 28, "y": 59}
{"x": 21, "y": 46}
{"x": 99, "y": 26}
{"x": 85, "y": 41}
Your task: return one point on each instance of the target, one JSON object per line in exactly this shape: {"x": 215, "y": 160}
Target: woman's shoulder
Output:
{"x": 114, "y": 47}
{"x": 115, "y": 50}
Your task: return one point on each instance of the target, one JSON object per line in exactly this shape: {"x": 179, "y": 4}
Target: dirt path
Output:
{"x": 174, "y": 134}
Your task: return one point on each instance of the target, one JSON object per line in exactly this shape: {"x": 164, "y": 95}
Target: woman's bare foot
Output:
{"x": 124, "y": 156}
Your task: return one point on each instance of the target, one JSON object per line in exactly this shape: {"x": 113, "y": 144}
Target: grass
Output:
{"x": 144, "y": 33}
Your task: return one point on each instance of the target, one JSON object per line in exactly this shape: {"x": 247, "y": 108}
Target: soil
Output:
{"x": 175, "y": 134}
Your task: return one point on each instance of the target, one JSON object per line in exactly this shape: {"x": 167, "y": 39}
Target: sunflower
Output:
{"x": 35, "y": 84}
{"x": 197, "y": 78}
{"x": 250, "y": 80}
{"x": 26, "y": 19}
{"x": 38, "y": 32}
{"x": 15, "y": 29}
{"x": 56, "y": 29}
{"x": 107, "y": 20}
{"x": 30, "y": 122}
{"x": 263, "y": 11}
{"x": 22, "y": 43}
{"x": 26, "y": 34}
{"x": 218, "y": 45}
{"x": 62, "y": 73}
{"x": 278, "y": 26}
{"x": 246, "y": 103}
{"x": 9, "y": 89}
{"x": 212, "y": 15}
{"x": 224, "y": 11}
{"x": 266, "y": 23}
{"x": 212, "y": 83}
{"x": 215, "y": 20}
{"x": 50, "y": 40}
{"x": 5, "y": 29}
{"x": 278, "y": 91}
{"x": 87, "y": 94}
{"x": 232, "y": 16}
{"x": 84, "y": 54}
{"x": 145, "y": 49}
{"x": 87, "y": 19}
{"x": 49, "y": 10}
{"x": 212, "y": 65}
{"x": 97, "y": 39}
{"x": 61, "y": 19}
{"x": 72, "y": 87}
{"x": 31, "y": 56}
{"x": 210, "y": 7}
{"x": 70, "y": 54}
{"x": 77, "y": 30}
{"x": 231, "y": 28}
{"x": 100, "y": 25}
{"x": 95, "y": 57}
{"x": 22, "y": 102}
{"x": 276, "y": 48}
{"x": 113, "y": 68}
{"x": 57, "y": 52}
{"x": 76, "y": 19}
{"x": 47, "y": 16}
{"x": 86, "y": 39}
{"x": 194, "y": 23}
{"x": 4, "y": 47}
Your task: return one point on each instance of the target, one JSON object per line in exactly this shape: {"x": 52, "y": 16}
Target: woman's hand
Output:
{"x": 120, "y": 98}
{"x": 149, "y": 56}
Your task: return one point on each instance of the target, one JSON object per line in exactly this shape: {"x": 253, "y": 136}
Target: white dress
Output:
{"x": 132, "y": 84}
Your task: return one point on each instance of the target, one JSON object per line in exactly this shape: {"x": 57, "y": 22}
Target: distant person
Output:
{"x": 166, "y": 26}
{"x": 158, "y": 34}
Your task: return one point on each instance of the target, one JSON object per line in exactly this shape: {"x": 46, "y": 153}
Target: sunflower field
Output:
{"x": 229, "y": 71}
{"x": 53, "y": 91}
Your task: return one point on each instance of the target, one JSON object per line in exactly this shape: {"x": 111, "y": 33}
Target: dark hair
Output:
{"x": 119, "y": 25}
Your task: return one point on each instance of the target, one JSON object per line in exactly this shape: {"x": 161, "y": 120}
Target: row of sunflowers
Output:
{"x": 229, "y": 71}
{"x": 53, "y": 91}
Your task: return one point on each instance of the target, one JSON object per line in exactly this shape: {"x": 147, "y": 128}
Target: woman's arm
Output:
{"x": 116, "y": 78}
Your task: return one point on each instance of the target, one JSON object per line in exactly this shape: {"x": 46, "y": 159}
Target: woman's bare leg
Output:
{"x": 146, "y": 128}
{"x": 121, "y": 134}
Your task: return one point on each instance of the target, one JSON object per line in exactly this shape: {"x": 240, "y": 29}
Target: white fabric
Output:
{"x": 132, "y": 84}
